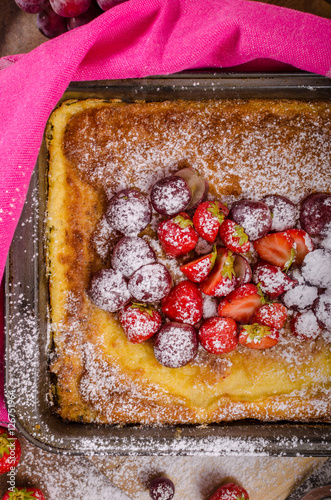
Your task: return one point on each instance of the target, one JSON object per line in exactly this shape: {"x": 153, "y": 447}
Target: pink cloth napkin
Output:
{"x": 137, "y": 39}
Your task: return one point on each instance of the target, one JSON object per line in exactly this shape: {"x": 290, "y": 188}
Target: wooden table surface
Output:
{"x": 266, "y": 478}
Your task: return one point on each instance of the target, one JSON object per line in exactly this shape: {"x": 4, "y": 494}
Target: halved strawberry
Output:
{"x": 274, "y": 315}
{"x": 208, "y": 217}
{"x": 139, "y": 321}
{"x": 218, "y": 335}
{"x": 234, "y": 236}
{"x": 272, "y": 280}
{"x": 258, "y": 336}
{"x": 303, "y": 244}
{"x": 222, "y": 279}
{"x": 183, "y": 303}
{"x": 277, "y": 249}
{"x": 241, "y": 304}
{"x": 198, "y": 269}
{"x": 177, "y": 235}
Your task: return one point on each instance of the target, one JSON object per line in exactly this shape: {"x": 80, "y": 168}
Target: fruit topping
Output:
{"x": 230, "y": 491}
{"x": 177, "y": 235}
{"x": 29, "y": 493}
{"x": 302, "y": 242}
{"x": 242, "y": 270}
{"x": 273, "y": 315}
{"x": 51, "y": 24}
{"x": 241, "y": 304}
{"x": 129, "y": 212}
{"x": 150, "y": 283}
{"x": 161, "y": 488}
{"x": 315, "y": 213}
{"x": 322, "y": 310}
{"x": 32, "y": 6}
{"x": 71, "y": 8}
{"x": 222, "y": 279}
{"x": 198, "y": 269}
{"x": 139, "y": 321}
{"x": 277, "y": 249}
{"x": 108, "y": 290}
{"x": 304, "y": 325}
{"x": 209, "y": 306}
{"x": 131, "y": 253}
{"x": 10, "y": 450}
{"x": 272, "y": 280}
{"x": 234, "y": 236}
{"x": 184, "y": 303}
{"x": 197, "y": 184}
{"x": 92, "y": 12}
{"x": 300, "y": 297}
{"x": 170, "y": 195}
{"x": 258, "y": 336}
{"x": 253, "y": 216}
{"x": 176, "y": 345}
{"x": 316, "y": 268}
{"x": 218, "y": 335}
{"x": 283, "y": 212}
{"x": 207, "y": 219}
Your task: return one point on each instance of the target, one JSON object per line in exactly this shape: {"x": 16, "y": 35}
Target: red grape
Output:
{"x": 108, "y": 4}
{"x": 176, "y": 344}
{"x": 150, "y": 283}
{"x": 161, "y": 488}
{"x": 32, "y": 6}
{"x": 129, "y": 212}
{"x": 92, "y": 12}
{"x": 284, "y": 212}
{"x": 170, "y": 195}
{"x": 51, "y": 24}
{"x": 315, "y": 214}
{"x": 131, "y": 253}
{"x": 253, "y": 216}
{"x": 70, "y": 8}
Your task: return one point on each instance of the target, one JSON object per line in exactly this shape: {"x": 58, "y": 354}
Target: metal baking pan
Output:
{"x": 27, "y": 342}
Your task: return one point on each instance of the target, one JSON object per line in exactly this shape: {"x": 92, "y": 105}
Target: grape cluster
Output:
{"x": 55, "y": 17}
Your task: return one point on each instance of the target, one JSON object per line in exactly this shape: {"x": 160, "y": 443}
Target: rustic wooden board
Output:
{"x": 195, "y": 478}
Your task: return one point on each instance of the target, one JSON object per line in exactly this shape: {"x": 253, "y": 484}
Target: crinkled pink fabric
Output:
{"x": 137, "y": 39}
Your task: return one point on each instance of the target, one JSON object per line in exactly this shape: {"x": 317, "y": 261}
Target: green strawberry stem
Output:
{"x": 215, "y": 211}
{"x": 144, "y": 308}
{"x": 240, "y": 233}
{"x": 227, "y": 269}
{"x": 21, "y": 494}
{"x": 256, "y": 332}
{"x": 263, "y": 299}
{"x": 4, "y": 445}
{"x": 290, "y": 261}
{"x": 213, "y": 256}
{"x": 182, "y": 222}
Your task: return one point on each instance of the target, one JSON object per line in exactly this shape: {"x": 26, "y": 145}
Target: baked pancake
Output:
{"x": 245, "y": 149}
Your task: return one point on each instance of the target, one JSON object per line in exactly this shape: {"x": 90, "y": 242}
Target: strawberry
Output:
{"x": 177, "y": 235}
{"x": 258, "y": 336}
{"x": 277, "y": 249}
{"x": 271, "y": 315}
{"x": 208, "y": 217}
{"x": 24, "y": 494}
{"x": 139, "y": 321}
{"x": 234, "y": 237}
{"x": 218, "y": 335}
{"x": 184, "y": 303}
{"x": 10, "y": 450}
{"x": 241, "y": 304}
{"x": 198, "y": 269}
{"x": 230, "y": 491}
{"x": 303, "y": 244}
{"x": 272, "y": 280}
{"x": 222, "y": 279}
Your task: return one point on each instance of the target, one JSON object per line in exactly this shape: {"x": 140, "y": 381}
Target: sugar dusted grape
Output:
{"x": 129, "y": 212}
{"x": 304, "y": 325}
{"x": 150, "y": 283}
{"x": 161, "y": 488}
{"x": 131, "y": 253}
{"x": 108, "y": 290}
{"x": 108, "y": 4}
{"x": 32, "y": 6}
{"x": 242, "y": 270}
{"x": 92, "y": 12}
{"x": 316, "y": 268}
{"x": 197, "y": 183}
{"x": 300, "y": 297}
{"x": 51, "y": 24}
{"x": 253, "y": 216}
{"x": 70, "y": 8}
{"x": 170, "y": 195}
{"x": 315, "y": 213}
{"x": 322, "y": 310}
{"x": 283, "y": 210}
{"x": 176, "y": 345}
